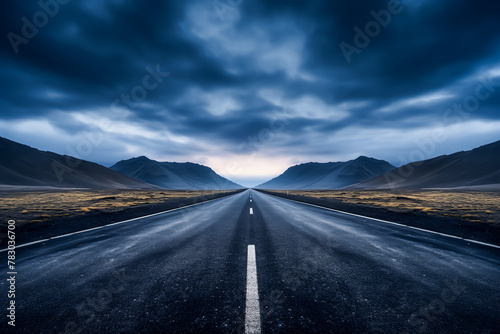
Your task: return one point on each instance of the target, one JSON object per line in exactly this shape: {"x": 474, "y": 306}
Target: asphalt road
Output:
{"x": 311, "y": 270}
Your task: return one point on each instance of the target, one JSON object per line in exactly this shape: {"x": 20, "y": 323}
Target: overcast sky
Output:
{"x": 250, "y": 87}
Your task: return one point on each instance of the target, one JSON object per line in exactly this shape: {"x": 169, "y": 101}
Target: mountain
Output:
{"x": 173, "y": 175}
{"x": 331, "y": 175}
{"x": 475, "y": 169}
{"x": 24, "y": 167}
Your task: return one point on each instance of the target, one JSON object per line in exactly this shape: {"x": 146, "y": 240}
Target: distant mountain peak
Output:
{"x": 23, "y": 167}
{"x": 475, "y": 169}
{"x": 364, "y": 157}
{"x": 173, "y": 175}
{"x": 329, "y": 175}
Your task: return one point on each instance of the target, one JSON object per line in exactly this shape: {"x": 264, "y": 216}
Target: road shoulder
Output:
{"x": 474, "y": 231}
{"x": 60, "y": 226}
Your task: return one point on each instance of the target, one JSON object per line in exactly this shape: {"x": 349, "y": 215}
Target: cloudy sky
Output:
{"x": 250, "y": 87}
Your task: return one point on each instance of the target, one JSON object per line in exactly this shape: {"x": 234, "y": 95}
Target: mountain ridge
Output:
{"x": 174, "y": 175}
{"x": 328, "y": 175}
{"x": 478, "y": 168}
{"x": 23, "y": 167}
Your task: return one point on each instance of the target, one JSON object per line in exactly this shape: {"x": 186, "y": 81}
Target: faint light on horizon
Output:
{"x": 247, "y": 166}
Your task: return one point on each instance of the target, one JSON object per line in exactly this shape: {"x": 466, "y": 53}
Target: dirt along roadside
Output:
{"x": 41, "y": 215}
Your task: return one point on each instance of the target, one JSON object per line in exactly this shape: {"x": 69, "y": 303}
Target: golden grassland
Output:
{"x": 480, "y": 207}
{"x": 34, "y": 207}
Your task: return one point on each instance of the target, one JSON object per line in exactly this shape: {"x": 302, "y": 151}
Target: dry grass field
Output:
{"x": 34, "y": 207}
{"x": 480, "y": 207}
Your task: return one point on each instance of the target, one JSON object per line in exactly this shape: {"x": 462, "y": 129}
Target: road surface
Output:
{"x": 255, "y": 263}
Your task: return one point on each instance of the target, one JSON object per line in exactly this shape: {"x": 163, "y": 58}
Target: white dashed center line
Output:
{"x": 252, "y": 311}
{"x": 251, "y": 211}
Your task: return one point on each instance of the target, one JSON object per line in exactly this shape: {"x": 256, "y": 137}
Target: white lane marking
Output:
{"x": 250, "y": 200}
{"x": 117, "y": 223}
{"x": 251, "y": 211}
{"x": 392, "y": 223}
{"x": 252, "y": 309}
{"x": 480, "y": 243}
{"x": 29, "y": 243}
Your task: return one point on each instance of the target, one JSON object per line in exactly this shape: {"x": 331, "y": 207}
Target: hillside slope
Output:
{"x": 475, "y": 169}
{"x": 331, "y": 175}
{"x": 22, "y": 166}
{"x": 173, "y": 175}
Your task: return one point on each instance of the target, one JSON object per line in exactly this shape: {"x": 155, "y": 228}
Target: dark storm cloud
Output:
{"x": 232, "y": 64}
